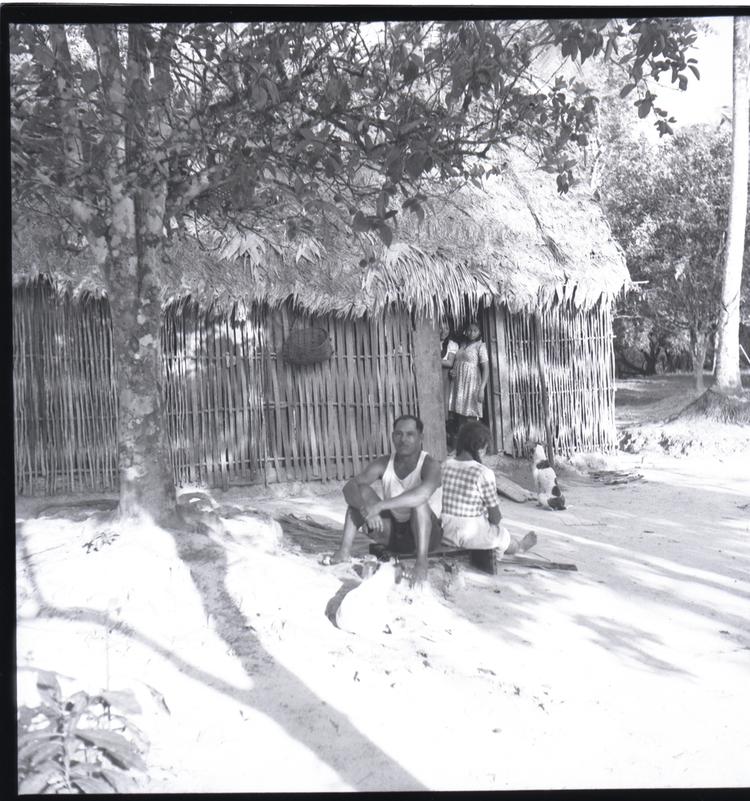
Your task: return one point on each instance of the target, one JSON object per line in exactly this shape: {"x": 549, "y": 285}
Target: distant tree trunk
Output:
{"x": 651, "y": 356}
{"x": 672, "y": 360}
{"x": 714, "y": 339}
{"x": 624, "y": 365}
{"x": 700, "y": 348}
{"x": 728, "y": 378}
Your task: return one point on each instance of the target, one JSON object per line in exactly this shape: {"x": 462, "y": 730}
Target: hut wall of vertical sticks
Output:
{"x": 64, "y": 395}
{"x": 578, "y": 365}
{"x": 238, "y": 413}
{"x": 540, "y": 272}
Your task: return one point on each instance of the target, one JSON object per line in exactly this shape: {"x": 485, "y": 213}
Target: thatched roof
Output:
{"x": 516, "y": 240}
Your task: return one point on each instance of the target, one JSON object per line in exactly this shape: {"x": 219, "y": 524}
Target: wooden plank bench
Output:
{"x": 483, "y": 560}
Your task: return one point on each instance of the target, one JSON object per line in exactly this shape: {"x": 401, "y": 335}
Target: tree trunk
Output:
{"x": 650, "y": 357}
{"x": 135, "y": 239}
{"x": 700, "y": 348}
{"x": 728, "y": 379}
{"x": 146, "y": 479}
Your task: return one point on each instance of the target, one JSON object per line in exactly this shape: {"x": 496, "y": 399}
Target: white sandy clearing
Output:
{"x": 631, "y": 672}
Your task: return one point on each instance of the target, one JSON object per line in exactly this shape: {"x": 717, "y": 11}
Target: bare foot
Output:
{"x": 338, "y": 557}
{"x": 528, "y": 542}
{"x": 419, "y": 576}
{"x": 521, "y": 546}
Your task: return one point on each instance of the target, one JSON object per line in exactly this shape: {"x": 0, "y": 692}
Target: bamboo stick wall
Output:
{"x": 213, "y": 396}
{"x": 65, "y": 420}
{"x": 579, "y": 358}
{"x": 339, "y": 413}
{"x": 236, "y": 411}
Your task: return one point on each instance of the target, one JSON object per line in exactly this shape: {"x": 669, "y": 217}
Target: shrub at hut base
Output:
{"x": 78, "y": 744}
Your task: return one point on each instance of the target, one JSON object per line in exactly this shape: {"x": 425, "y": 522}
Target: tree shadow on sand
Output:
{"x": 661, "y": 564}
{"x": 276, "y": 692}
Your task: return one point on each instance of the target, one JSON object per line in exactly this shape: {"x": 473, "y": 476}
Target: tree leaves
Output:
{"x": 644, "y": 107}
{"x": 124, "y": 700}
{"x": 57, "y": 754}
{"x": 326, "y": 114}
{"x": 44, "y": 55}
{"x": 119, "y": 750}
{"x": 415, "y": 163}
{"x": 360, "y": 222}
{"x": 36, "y": 783}
{"x": 89, "y": 81}
{"x": 49, "y": 688}
{"x": 91, "y": 784}
{"x": 386, "y": 233}
{"x": 413, "y": 205}
{"x": 259, "y": 96}
{"x": 670, "y": 216}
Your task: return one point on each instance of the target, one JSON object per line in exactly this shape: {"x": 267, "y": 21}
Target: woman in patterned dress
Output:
{"x": 469, "y": 377}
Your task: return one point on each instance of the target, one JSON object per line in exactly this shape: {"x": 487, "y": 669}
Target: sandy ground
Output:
{"x": 630, "y": 672}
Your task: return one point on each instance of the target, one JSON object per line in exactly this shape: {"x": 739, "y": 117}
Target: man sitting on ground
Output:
{"x": 402, "y": 519}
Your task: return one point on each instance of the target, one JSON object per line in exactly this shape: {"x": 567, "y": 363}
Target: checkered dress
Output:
{"x": 469, "y": 488}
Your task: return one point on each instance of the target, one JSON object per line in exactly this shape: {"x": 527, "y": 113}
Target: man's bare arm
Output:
{"x": 368, "y": 476}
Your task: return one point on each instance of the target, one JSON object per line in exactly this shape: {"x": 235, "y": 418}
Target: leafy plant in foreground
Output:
{"x": 78, "y": 744}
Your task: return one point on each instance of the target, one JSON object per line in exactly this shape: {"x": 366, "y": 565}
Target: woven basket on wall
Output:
{"x": 307, "y": 346}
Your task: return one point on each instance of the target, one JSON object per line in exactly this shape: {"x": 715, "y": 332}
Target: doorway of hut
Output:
{"x": 496, "y": 413}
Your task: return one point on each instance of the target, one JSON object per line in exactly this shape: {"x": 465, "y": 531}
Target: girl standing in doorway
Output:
{"x": 469, "y": 377}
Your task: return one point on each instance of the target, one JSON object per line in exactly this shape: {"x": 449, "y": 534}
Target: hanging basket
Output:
{"x": 307, "y": 346}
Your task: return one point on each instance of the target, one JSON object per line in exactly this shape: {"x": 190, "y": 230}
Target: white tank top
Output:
{"x": 393, "y": 485}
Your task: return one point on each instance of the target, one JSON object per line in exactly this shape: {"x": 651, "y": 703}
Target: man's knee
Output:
{"x": 369, "y": 495}
{"x": 422, "y": 515}
{"x": 424, "y": 520}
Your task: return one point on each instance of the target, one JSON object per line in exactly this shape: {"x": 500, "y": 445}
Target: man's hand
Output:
{"x": 374, "y": 523}
{"x": 372, "y": 516}
{"x": 373, "y": 520}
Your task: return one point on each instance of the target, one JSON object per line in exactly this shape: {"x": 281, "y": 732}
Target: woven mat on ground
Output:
{"x": 319, "y": 537}
{"x": 312, "y": 535}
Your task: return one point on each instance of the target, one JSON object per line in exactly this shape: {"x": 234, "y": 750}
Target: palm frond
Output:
{"x": 514, "y": 239}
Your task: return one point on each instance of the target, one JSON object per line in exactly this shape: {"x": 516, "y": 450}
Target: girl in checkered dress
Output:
{"x": 471, "y": 513}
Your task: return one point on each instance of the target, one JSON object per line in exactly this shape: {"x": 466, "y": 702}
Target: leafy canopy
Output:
{"x": 285, "y": 127}
{"x": 670, "y": 217}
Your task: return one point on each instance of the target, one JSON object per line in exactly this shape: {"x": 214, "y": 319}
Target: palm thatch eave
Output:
{"x": 512, "y": 240}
